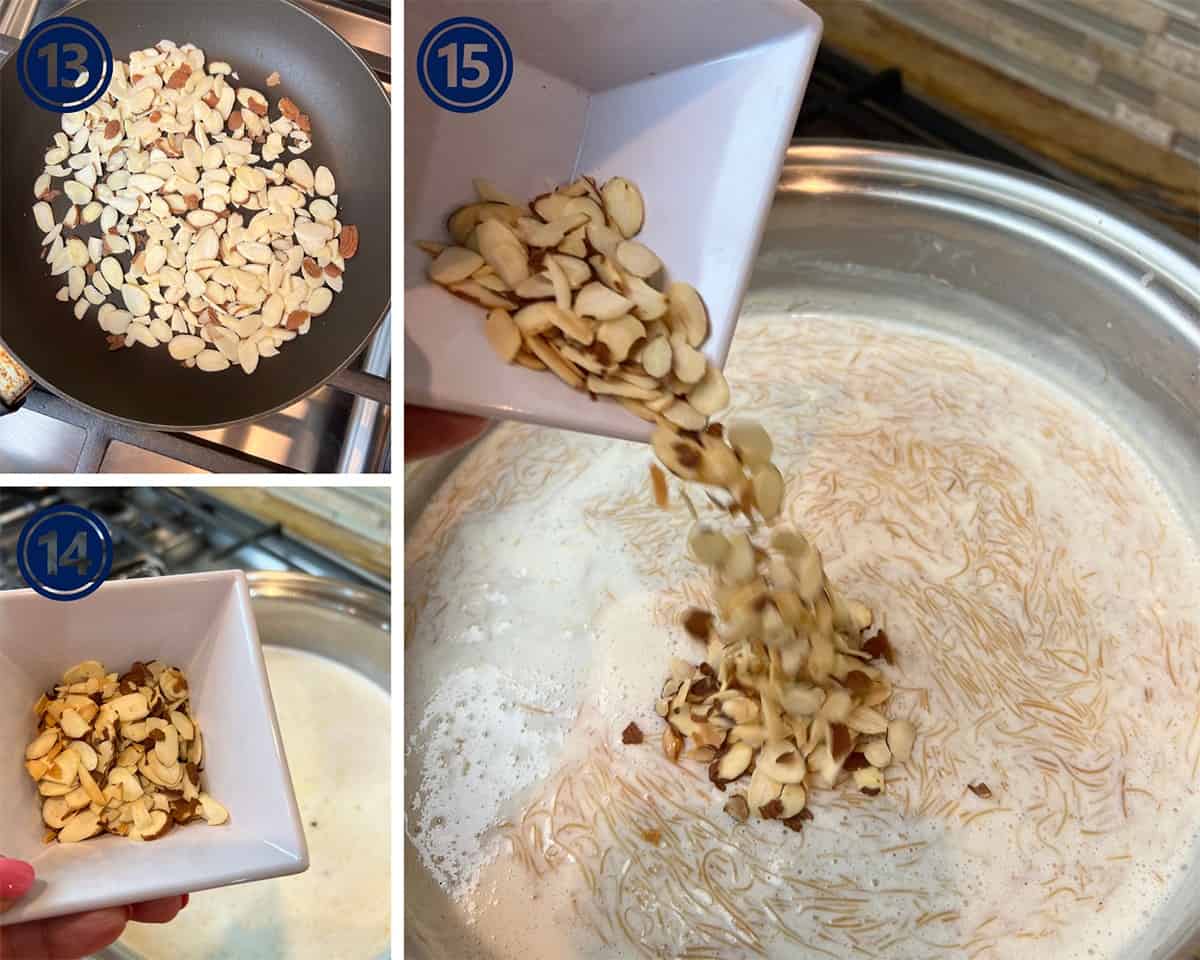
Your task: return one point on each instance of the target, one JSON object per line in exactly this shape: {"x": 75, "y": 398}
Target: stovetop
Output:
{"x": 345, "y": 427}
{"x": 165, "y": 530}
{"x": 845, "y": 100}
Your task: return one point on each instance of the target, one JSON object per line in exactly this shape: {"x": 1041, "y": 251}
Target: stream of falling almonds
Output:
{"x": 119, "y": 753}
{"x": 790, "y": 690}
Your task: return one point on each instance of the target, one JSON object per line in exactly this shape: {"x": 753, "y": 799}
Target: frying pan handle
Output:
{"x": 16, "y": 17}
{"x": 365, "y": 385}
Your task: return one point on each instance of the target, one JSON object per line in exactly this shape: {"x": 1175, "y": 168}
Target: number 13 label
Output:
{"x": 464, "y": 64}
{"x": 64, "y": 64}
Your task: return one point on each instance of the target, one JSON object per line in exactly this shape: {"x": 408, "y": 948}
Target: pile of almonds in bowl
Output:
{"x": 119, "y": 754}
{"x": 202, "y": 237}
{"x": 568, "y": 288}
{"x": 790, "y": 693}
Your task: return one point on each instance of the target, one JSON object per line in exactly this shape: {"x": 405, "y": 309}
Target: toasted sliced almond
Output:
{"x": 453, "y": 265}
{"x": 562, "y": 368}
{"x": 768, "y": 490}
{"x": 620, "y": 335}
{"x": 573, "y": 243}
{"x": 900, "y": 737}
{"x": 587, "y": 207}
{"x": 596, "y": 300}
{"x": 550, "y": 206}
{"x": 40, "y": 747}
{"x": 500, "y": 247}
{"x": 688, "y": 364}
{"x": 711, "y": 394}
{"x": 503, "y": 334}
{"x": 686, "y": 313}
{"x": 625, "y": 206}
{"x": 685, "y": 416}
{"x": 603, "y": 239}
{"x": 637, "y": 259}
{"x": 577, "y": 271}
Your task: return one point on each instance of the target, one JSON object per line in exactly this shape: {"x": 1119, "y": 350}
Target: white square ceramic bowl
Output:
{"x": 203, "y": 624}
{"x": 694, "y": 100}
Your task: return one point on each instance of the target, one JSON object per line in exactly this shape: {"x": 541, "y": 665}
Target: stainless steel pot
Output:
{"x": 1091, "y": 296}
{"x": 349, "y": 624}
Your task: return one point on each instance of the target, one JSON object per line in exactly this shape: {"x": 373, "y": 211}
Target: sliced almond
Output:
{"x": 478, "y": 294}
{"x": 768, "y": 490}
{"x": 900, "y": 737}
{"x": 657, "y": 358}
{"x": 587, "y": 207}
{"x": 620, "y": 335}
{"x": 687, "y": 363}
{"x": 648, "y": 303}
{"x": 41, "y": 746}
{"x": 596, "y": 300}
{"x": 503, "y": 334}
{"x": 637, "y": 259}
{"x": 625, "y": 206}
{"x": 685, "y": 416}
{"x": 453, "y": 265}
{"x": 710, "y": 395}
{"x": 604, "y": 239}
{"x": 500, "y": 247}
{"x": 561, "y": 368}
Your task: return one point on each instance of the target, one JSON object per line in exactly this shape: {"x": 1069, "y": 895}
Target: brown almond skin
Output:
{"x": 179, "y": 78}
{"x": 856, "y": 761}
{"x": 772, "y": 810}
{"x": 840, "y": 740}
{"x": 112, "y": 129}
{"x": 348, "y": 242}
{"x": 296, "y": 319}
{"x": 698, "y": 623}
{"x": 632, "y": 734}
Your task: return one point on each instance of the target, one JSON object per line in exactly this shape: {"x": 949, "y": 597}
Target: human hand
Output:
{"x": 71, "y": 937}
{"x": 427, "y": 431}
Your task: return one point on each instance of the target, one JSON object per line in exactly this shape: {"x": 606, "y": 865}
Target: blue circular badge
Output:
{"x": 53, "y": 58}
{"x": 65, "y": 552}
{"x": 464, "y": 64}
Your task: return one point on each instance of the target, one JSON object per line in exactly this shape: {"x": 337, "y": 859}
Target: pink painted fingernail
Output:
{"x": 16, "y": 877}
{"x": 186, "y": 898}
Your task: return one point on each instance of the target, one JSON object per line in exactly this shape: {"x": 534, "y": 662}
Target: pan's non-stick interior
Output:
{"x": 350, "y": 117}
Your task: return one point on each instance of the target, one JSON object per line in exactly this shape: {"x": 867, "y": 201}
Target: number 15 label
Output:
{"x": 464, "y": 64}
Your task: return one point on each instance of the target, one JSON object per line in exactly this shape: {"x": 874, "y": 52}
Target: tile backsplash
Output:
{"x": 1133, "y": 62}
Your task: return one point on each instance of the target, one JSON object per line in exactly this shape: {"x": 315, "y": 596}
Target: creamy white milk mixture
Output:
{"x": 335, "y": 725}
{"x": 1034, "y": 580}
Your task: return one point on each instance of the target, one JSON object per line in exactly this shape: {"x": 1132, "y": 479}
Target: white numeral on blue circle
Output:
{"x": 464, "y": 64}
{"x": 449, "y": 53}
{"x": 74, "y": 556}
{"x": 76, "y": 61}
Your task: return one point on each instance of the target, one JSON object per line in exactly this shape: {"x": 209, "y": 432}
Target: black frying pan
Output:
{"x": 351, "y": 122}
